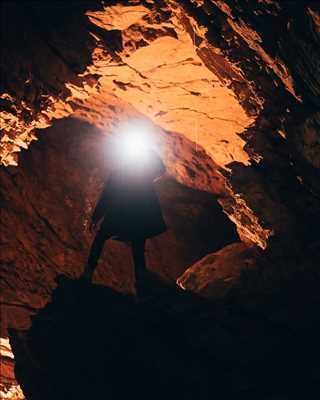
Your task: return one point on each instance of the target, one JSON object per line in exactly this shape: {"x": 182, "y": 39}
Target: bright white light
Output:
{"x": 134, "y": 146}
{"x": 133, "y": 139}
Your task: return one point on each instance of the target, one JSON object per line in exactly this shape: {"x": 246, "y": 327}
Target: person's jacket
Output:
{"x": 128, "y": 202}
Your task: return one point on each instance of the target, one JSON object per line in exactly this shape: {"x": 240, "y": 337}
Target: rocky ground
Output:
{"x": 90, "y": 341}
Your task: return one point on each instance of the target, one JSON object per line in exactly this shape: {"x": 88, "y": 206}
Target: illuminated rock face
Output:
{"x": 205, "y": 71}
{"x": 233, "y": 86}
{"x": 218, "y": 272}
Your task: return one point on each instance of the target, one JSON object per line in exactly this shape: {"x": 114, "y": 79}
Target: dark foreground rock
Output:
{"x": 93, "y": 343}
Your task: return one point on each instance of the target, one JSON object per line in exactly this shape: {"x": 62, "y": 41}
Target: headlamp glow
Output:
{"x": 133, "y": 140}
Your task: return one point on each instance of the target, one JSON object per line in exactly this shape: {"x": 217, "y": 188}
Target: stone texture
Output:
{"x": 230, "y": 48}
{"x": 8, "y": 385}
{"x": 233, "y": 89}
{"x": 217, "y": 273}
{"x": 147, "y": 58}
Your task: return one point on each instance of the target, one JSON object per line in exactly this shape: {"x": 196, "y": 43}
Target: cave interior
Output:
{"x": 232, "y": 90}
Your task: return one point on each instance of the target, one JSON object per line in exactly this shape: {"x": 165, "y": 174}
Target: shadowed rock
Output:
{"x": 91, "y": 342}
{"x": 215, "y": 274}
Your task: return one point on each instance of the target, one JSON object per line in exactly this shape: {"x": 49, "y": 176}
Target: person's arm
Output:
{"x": 99, "y": 210}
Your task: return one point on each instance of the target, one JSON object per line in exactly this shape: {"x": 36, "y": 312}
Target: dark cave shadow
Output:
{"x": 43, "y": 32}
{"x": 212, "y": 226}
{"x": 91, "y": 341}
{"x": 284, "y": 175}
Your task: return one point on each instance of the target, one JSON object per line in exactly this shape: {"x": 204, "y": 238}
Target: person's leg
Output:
{"x": 95, "y": 252}
{"x": 138, "y": 247}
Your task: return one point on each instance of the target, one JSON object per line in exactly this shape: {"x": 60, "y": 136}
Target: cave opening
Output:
{"x": 49, "y": 198}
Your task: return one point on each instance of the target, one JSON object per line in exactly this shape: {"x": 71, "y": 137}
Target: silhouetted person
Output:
{"x": 129, "y": 209}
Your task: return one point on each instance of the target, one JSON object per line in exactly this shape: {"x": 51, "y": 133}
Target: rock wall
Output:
{"x": 223, "y": 74}
{"x": 233, "y": 89}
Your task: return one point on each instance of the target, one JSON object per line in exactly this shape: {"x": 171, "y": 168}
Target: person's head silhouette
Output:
{"x": 132, "y": 146}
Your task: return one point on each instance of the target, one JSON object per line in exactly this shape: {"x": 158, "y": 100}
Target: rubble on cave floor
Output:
{"x": 92, "y": 342}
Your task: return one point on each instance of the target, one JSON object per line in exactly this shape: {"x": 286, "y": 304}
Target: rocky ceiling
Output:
{"x": 232, "y": 87}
